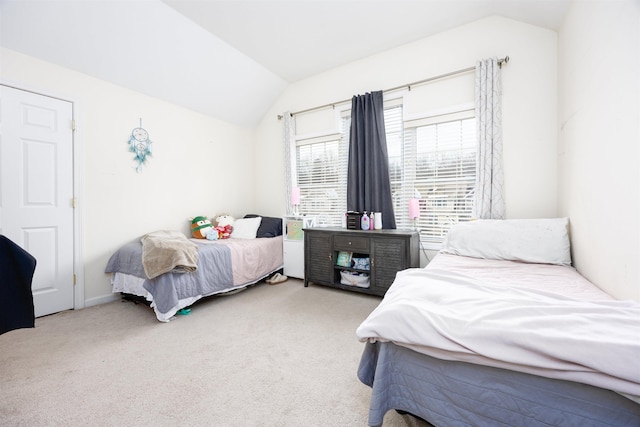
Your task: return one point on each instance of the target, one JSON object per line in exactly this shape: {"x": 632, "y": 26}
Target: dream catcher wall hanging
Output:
{"x": 140, "y": 145}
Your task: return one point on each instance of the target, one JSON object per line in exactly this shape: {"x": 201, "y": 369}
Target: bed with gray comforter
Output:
{"x": 220, "y": 267}
{"x": 478, "y": 339}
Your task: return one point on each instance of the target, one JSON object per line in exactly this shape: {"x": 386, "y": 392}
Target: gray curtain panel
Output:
{"x": 489, "y": 195}
{"x": 289, "y": 132}
{"x": 368, "y": 185}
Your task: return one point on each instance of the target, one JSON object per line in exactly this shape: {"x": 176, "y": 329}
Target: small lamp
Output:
{"x": 295, "y": 200}
{"x": 414, "y": 210}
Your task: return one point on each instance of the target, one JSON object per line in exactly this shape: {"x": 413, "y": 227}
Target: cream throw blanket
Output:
{"x": 164, "y": 251}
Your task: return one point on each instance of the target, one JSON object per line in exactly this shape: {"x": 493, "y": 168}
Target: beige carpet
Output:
{"x": 281, "y": 355}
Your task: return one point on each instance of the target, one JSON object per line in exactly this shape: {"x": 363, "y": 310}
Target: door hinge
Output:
{"x": 73, "y": 125}
{"x": 74, "y": 279}
{"x": 73, "y": 202}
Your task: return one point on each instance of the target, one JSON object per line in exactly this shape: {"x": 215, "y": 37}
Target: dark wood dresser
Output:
{"x": 386, "y": 251}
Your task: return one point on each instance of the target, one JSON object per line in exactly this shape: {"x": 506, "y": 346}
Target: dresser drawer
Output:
{"x": 351, "y": 243}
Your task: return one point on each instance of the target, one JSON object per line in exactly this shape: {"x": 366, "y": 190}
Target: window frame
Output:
{"x": 441, "y": 117}
{"x": 409, "y": 122}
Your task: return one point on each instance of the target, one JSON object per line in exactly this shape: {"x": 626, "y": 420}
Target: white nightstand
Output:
{"x": 293, "y": 244}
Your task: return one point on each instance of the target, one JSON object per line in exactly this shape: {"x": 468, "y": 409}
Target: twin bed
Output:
{"x": 181, "y": 271}
{"x": 499, "y": 329}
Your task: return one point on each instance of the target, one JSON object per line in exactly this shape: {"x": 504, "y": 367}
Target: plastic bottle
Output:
{"x": 364, "y": 222}
{"x": 378, "y": 221}
{"x": 371, "y": 221}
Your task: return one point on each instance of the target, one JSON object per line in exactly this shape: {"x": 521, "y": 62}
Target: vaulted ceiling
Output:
{"x": 232, "y": 59}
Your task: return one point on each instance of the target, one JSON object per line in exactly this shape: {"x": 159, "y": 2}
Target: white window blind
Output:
{"x": 321, "y": 172}
{"x": 395, "y": 151}
{"x": 441, "y": 173}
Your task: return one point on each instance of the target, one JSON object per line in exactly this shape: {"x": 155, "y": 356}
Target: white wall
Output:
{"x": 599, "y": 139}
{"x": 200, "y": 165}
{"x": 204, "y": 166}
{"x": 529, "y": 104}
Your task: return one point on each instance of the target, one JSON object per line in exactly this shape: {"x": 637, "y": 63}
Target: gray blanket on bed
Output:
{"x": 213, "y": 273}
{"x": 451, "y": 393}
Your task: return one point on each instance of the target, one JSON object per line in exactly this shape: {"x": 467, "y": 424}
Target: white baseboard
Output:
{"x": 101, "y": 300}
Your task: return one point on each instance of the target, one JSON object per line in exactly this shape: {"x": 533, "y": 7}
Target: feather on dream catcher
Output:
{"x": 140, "y": 145}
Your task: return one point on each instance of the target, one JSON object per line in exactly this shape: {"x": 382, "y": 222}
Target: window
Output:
{"x": 321, "y": 175}
{"x": 432, "y": 159}
{"x": 441, "y": 173}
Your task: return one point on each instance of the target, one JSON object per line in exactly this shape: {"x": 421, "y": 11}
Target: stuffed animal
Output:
{"x": 224, "y": 219}
{"x": 224, "y": 232}
{"x": 223, "y": 227}
{"x": 200, "y": 226}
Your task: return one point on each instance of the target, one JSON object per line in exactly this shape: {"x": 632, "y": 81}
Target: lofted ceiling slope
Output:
{"x": 232, "y": 59}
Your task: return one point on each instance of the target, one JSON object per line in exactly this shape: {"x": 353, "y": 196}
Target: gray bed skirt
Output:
{"x": 448, "y": 393}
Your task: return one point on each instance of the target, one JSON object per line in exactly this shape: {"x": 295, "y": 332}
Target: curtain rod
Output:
{"x": 501, "y": 62}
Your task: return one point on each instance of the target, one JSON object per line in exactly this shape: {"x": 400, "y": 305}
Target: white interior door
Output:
{"x": 36, "y": 190}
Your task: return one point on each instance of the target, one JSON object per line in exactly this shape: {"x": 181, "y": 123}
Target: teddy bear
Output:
{"x": 224, "y": 226}
{"x": 224, "y": 219}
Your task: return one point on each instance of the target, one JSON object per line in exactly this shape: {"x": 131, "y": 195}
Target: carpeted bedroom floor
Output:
{"x": 272, "y": 355}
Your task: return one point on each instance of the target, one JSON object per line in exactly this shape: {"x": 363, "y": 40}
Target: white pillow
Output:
{"x": 246, "y": 228}
{"x": 543, "y": 241}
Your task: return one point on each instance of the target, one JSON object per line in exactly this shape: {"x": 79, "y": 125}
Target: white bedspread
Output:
{"x": 446, "y": 314}
{"x": 561, "y": 279}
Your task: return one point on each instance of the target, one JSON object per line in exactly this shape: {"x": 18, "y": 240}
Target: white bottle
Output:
{"x": 364, "y": 222}
{"x": 378, "y": 221}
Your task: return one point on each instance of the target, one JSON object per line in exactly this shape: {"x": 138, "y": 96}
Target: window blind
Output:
{"x": 442, "y": 175}
{"x": 321, "y": 166}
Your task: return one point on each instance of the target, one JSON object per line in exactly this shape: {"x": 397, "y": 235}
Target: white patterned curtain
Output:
{"x": 289, "y": 157}
{"x": 489, "y": 191}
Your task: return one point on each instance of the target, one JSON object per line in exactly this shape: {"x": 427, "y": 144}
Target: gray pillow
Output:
{"x": 269, "y": 226}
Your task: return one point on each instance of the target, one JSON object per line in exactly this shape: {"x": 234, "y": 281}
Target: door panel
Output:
{"x": 40, "y": 173}
{"x": 36, "y": 190}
